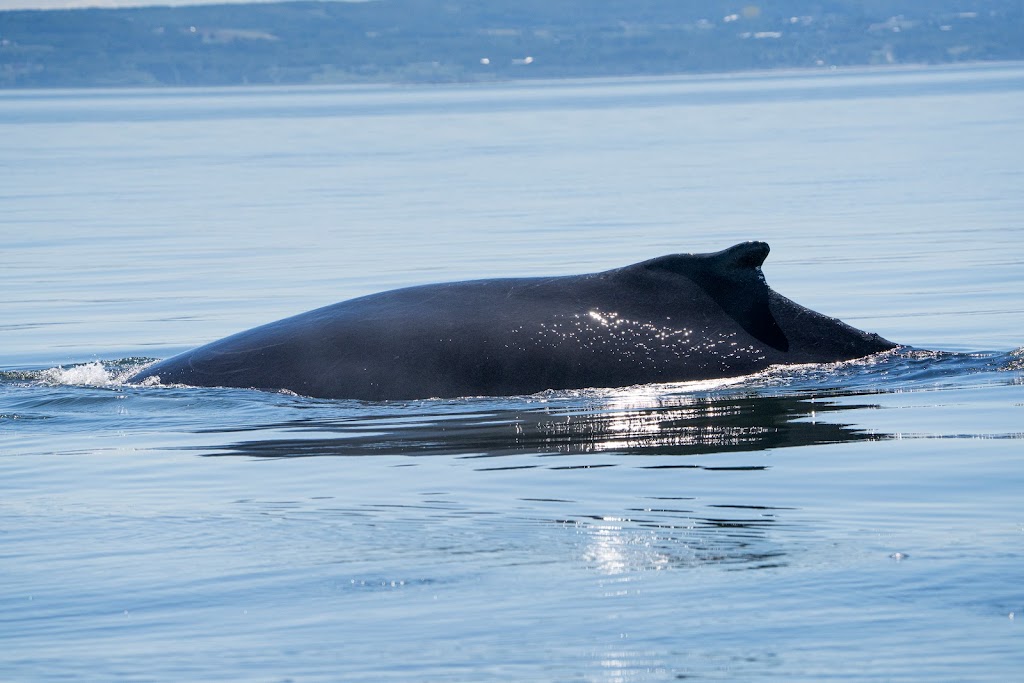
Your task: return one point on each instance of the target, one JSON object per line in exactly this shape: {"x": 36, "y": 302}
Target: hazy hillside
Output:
{"x": 464, "y": 40}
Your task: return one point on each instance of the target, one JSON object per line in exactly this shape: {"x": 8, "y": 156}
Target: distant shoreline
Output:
{"x": 429, "y": 42}
{"x": 760, "y": 74}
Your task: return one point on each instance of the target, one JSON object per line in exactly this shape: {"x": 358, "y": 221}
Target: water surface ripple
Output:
{"x": 856, "y": 521}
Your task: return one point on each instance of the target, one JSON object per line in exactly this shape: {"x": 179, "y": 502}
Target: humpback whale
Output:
{"x": 669, "y": 319}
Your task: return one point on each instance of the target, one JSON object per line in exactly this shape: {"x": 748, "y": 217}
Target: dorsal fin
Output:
{"x": 743, "y": 255}
{"x": 733, "y": 279}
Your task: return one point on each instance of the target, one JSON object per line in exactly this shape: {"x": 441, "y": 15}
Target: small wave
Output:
{"x": 98, "y": 373}
{"x": 89, "y": 374}
{"x": 1015, "y": 359}
{"x": 901, "y": 369}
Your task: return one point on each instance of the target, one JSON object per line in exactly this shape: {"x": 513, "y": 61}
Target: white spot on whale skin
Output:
{"x": 646, "y": 342}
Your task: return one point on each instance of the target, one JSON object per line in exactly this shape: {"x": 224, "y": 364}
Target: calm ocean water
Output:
{"x": 863, "y": 521}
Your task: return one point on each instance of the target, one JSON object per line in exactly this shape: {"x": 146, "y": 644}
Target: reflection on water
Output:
{"x": 664, "y": 537}
{"x": 648, "y": 510}
{"x": 782, "y": 407}
{"x": 648, "y": 428}
{"x": 679, "y": 426}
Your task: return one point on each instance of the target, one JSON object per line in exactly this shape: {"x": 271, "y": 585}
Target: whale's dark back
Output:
{"x": 674, "y": 318}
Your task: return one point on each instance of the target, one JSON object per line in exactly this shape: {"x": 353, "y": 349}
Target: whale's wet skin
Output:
{"x": 675, "y": 318}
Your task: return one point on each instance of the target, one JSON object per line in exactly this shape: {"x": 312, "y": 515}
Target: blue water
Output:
{"x": 858, "y": 521}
